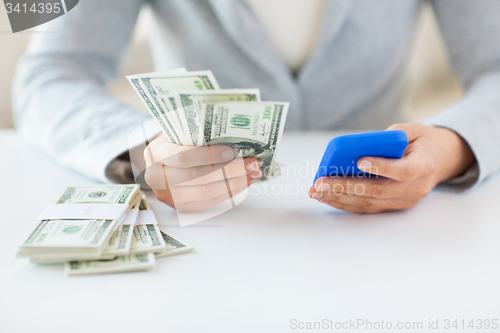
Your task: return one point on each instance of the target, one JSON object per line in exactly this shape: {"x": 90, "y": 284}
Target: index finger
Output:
{"x": 176, "y": 156}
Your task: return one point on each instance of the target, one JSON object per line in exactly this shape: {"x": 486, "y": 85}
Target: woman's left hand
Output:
{"x": 434, "y": 154}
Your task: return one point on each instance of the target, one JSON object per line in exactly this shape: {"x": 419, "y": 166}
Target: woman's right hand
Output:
{"x": 192, "y": 179}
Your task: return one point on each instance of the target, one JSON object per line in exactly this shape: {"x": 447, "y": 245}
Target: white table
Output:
{"x": 273, "y": 259}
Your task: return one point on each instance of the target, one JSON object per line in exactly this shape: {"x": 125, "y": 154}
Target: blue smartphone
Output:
{"x": 343, "y": 152}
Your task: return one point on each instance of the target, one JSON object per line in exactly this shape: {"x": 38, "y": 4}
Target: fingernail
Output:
{"x": 254, "y": 166}
{"x": 317, "y": 195}
{"x": 228, "y": 154}
{"x": 256, "y": 175}
{"x": 365, "y": 165}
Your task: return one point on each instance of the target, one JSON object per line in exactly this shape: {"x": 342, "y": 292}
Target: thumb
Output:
{"x": 406, "y": 169}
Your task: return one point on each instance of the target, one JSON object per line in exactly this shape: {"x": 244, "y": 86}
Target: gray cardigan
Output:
{"x": 354, "y": 79}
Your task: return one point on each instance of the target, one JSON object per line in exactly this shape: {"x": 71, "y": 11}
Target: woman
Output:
{"x": 338, "y": 62}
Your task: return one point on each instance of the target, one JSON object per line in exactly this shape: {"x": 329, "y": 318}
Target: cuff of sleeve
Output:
{"x": 120, "y": 171}
{"x": 131, "y": 169}
{"x": 97, "y": 156}
{"x": 465, "y": 181}
{"x": 476, "y": 119}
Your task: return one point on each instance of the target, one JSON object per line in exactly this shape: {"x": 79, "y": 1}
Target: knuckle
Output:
{"x": 410, "y": 204}
{"x": 425, "y": 190}
{"x": 421, "y": 192}
{"x": 164, "y": 196}
{"x": 376, "y": 190}
{"x": 192, "y": 174}
{"x": 184, "y": 195}
{"x": 392, "y": 127}
{"x": 334, "y": 188}
{"x": 404, "y": 126}
{"x": 429, "y": 188}
{"x": 207, "y": 191}
{"x": 366, "y": 202}
{"x": 149, "y": 178}
{"x": 186, "y": 208}
{"x": 174, "y": 155}
{"x": 176, "y": 191}
{"x": 397, "y": 126}
{"x": 179, "y": 159}
{"x": 338, "y": 205}
{"x": 161, "y": 196}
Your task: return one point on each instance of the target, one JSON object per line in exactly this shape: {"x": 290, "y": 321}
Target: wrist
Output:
{"x": 456, "y": 156}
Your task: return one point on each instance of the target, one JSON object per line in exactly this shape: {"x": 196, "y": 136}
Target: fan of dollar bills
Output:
{"x": 99, "y": 229}
{"x": 192, "y": 110}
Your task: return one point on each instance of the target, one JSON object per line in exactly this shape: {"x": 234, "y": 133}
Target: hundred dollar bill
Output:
{"x": 188, "y": 102}
{"x": 252, "y": 129}
{"x": 161, "y": 83}
{"x": 157, "y": 84}
{"x": 174, "y": 117}
{"x": 174, "y": 246}
{"x": 173, "y": 114}
{"x": 62, "y": 259}
{"x": 147, "y": 234}
{"x": 135, "y": 81}
{"x": 134, "y": 262}
{"x": 166, "y": 129}
{"x": 69, "y": 238}
{"x": 59, "y": 234}
{"x": 121, "y": 240}
{"x": 105, "y": 194}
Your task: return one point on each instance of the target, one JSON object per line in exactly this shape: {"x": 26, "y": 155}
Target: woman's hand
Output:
{"x": 196, "y": 178}
{"x": 433, "y": 155}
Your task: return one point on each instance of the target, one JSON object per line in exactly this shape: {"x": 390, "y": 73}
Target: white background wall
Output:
{"x": 432, "y": 87}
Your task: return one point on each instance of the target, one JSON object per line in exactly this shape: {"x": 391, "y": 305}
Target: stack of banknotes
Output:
{"x": 99, "y": 229}
{"x": 192, "y": 110}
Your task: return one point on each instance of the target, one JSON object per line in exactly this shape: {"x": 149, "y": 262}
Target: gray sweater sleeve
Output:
{"x": 60, "y": 100}
{"x": 471, "y": 31}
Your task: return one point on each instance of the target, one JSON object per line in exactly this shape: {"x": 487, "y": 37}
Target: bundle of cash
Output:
{"x": 99, "y": 229}
{"x": 192, "y": 110}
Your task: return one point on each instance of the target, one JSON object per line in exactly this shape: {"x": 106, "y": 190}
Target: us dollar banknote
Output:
{"x": 167, "y": 130}
{"x": 121, "y": 240}
{"x": 174, "y": 246}
{"x": 188, "y": 103}
{"x": 192, "y": 110}
{"x": 105, "y": 194}
{"x": 150, "y": 86}
{"x": 63, "y": 238}
{"x": 251, "y": 129}
{"x": 65, "y": 230}
{"x": 147, "y": 235}
{"x": 134, "y": 262}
